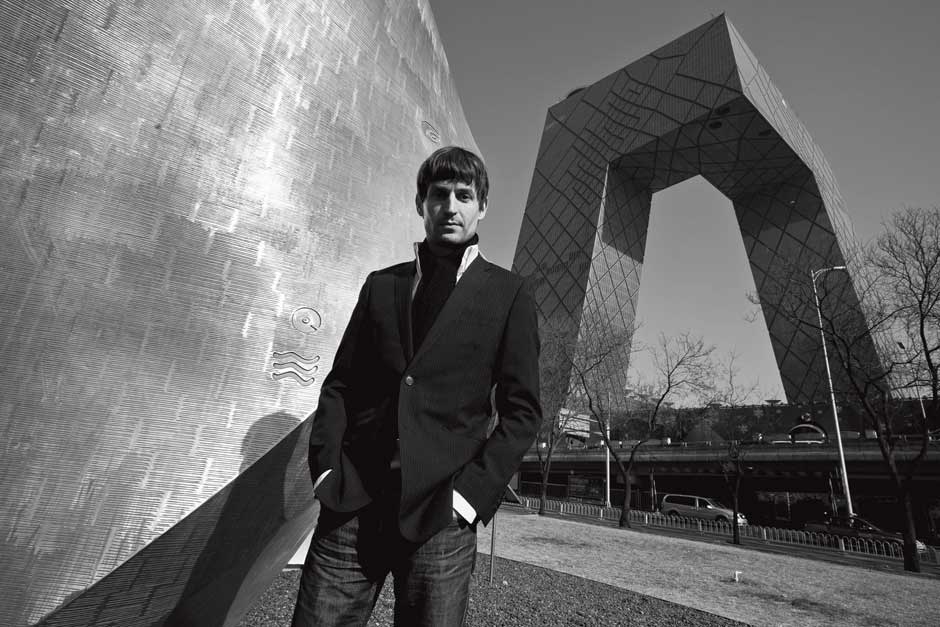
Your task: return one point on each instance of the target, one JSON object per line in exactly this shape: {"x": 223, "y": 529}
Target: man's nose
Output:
{"x": 449, "y": 202}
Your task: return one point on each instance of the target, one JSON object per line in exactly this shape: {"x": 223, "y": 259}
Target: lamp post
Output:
{"x": 832, "y": 395}
{"x": 606, "y": 463}
{"x": 607, "y": 455}
{"x": 607, "y": 467}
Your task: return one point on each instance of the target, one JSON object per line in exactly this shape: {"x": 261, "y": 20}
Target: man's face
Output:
{"x": 450, "y": 212}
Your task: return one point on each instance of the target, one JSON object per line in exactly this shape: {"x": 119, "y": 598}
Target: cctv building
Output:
{"x": 699, "y": 106}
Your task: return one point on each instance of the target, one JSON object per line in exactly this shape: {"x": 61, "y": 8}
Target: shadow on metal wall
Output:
{"x": 209, "y": 568}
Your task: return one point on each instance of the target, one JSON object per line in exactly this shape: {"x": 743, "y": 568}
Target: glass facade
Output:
{"x": 700, "y": 105}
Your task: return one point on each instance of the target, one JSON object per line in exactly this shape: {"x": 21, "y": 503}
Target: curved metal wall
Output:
{"x": 190, "y": 196}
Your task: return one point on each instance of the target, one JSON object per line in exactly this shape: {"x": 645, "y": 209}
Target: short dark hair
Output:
{"x": 452, "y": 163}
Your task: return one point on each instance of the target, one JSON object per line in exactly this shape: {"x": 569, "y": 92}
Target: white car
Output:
{"x": 698, "y": 507}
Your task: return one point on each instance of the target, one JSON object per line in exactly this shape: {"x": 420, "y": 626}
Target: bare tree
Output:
{"x": 555, "y": 382}
{"x": 681, "y": 364}
{"x": 734, "y": 469}
{"x": 892, "y": 349}
{"x": 684, "y": 420}
{"x": 907, "y": 256}
{"x": 905, "y": 271}
{"x": 729, "y": 389}
{"x": 597, "y": 365}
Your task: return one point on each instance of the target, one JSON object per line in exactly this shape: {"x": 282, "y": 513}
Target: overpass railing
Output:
{"x": 887, "y": 549}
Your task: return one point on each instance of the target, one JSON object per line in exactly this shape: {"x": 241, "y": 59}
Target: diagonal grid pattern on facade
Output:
{"x": 700, "y": 105}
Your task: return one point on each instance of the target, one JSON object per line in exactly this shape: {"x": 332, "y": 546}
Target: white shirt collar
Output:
{"x": 469, "y": 255}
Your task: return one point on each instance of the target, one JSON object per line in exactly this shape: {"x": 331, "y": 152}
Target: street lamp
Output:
{"x": 607, "y": 456}
{"x": 832, "y": 395}
{"x": 607, "y": 467}
{"x": 606, "y": 463}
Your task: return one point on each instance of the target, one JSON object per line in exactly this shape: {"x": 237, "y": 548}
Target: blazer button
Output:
{"x": 409, "y": 381}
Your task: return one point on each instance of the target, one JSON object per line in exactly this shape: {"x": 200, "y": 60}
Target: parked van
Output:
{"x": 698, "y": 507}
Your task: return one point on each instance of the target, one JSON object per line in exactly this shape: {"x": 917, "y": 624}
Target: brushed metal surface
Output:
{"x": 191, "y": 194}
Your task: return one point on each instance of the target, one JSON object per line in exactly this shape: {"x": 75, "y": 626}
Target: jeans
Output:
{"x": 352, "y": 553}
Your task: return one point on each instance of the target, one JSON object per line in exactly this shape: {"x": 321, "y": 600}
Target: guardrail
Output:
{"x": 862, "y": 546}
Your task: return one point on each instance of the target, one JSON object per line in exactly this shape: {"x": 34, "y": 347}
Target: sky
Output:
{"x": 863, "y": 77}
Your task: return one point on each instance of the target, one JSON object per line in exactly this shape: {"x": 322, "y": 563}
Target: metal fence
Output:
{"x": 863, "y": 546}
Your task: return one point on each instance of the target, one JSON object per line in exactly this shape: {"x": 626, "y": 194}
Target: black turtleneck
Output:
{"x": 438, "y": 278}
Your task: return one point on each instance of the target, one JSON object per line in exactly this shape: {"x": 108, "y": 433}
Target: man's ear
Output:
{"x": 419, "y": 205}
{"x": 482, "y": 211}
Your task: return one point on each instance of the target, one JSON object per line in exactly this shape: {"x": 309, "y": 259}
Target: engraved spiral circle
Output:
{"x": 306, "y": 320}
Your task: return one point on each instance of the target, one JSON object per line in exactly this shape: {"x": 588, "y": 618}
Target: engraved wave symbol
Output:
{"x": 294, "y": 366}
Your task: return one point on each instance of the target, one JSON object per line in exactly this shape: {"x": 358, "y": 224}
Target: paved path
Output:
{"x": 772, "y": 589}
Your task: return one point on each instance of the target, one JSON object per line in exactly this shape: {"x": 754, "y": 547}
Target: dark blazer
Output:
{"x": 485, "y": 335}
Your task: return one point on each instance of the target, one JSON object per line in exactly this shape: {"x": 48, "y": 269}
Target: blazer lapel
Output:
{"x": 467, "y": 290}
{"x": 403, "y": 285}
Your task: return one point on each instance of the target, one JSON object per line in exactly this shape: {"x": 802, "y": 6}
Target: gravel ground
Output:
{"x": 521, "y": 596}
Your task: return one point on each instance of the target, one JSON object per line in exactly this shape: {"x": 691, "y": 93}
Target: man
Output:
{"x": 403, "y": 452}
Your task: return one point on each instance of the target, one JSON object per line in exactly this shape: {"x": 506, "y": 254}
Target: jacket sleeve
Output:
{"x": 483, "y": 481}
{"x": 330, "y": 419}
